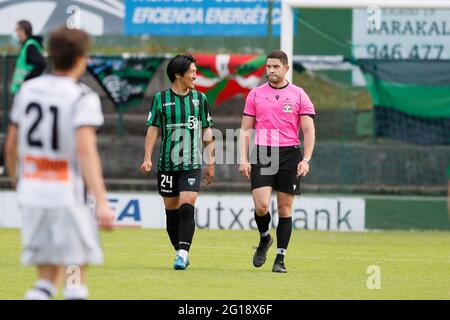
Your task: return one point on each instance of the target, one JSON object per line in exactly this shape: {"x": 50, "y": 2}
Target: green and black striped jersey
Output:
{"x": 181, "y": 119}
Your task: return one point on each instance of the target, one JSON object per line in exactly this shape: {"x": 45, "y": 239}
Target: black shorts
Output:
{"x": 171, "y": 183}
{"x": 282, "y": 177}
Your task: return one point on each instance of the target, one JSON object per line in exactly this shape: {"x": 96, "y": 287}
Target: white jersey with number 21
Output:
{"x": 48, "y": 110}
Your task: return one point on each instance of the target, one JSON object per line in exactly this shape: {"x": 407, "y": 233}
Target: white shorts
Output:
{"x": 63, "y": 236}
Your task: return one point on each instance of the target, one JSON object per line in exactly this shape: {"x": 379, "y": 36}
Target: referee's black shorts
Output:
{"x": 276, "y": 167}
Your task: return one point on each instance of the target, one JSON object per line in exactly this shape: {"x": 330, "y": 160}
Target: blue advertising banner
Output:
{"x": 201, "y": 17}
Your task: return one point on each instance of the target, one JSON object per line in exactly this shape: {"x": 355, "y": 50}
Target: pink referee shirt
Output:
{"x": 277, "y": 113}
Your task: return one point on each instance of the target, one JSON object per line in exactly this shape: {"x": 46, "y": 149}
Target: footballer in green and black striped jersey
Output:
{"x": 182, "y": 115}
{"x": 181, "y": 119}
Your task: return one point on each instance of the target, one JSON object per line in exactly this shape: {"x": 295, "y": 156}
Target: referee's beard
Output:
{"x": 274, "y": 79}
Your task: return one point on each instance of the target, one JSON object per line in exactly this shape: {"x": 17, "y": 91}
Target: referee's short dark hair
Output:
{"x": 66, "y": 45}
{"x": 280, "y": 55}
{"x": 179, "y": 65}
{"x": 26, "y": 27}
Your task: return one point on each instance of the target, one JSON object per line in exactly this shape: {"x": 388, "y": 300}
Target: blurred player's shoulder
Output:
{"x": 50, "y": 83}
{"x": 85, "y": 90}
{"x": 61, "y": 91}
{"x": 34, "y": 83}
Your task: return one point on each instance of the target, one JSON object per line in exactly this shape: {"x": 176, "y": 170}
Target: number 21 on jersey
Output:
{"x": 43, "y": 167}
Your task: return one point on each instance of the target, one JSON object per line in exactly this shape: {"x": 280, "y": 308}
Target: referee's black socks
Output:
{"x": 172, "y": 226}
{"x": 284, "y": 231}
{"x": 187, "y": 226}
{"x": 263, "y": 223}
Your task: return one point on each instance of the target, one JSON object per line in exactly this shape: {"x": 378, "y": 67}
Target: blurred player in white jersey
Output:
{"x": 51, "y": 143}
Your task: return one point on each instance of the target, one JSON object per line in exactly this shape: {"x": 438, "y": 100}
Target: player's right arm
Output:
{"x": 87, "y": 118}
{"x": 247, "y": 125}
{"x": 150, "y": 141}
{"x": 153, "y": 123}
{"x": 11, "y": 152}
{"x": 12, "y": 136}
{"x": 92, "y": 172}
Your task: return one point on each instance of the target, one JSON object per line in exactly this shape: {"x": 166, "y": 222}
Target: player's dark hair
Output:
{"x": 66, "y": 45}
{"x": 179, "y": 64}
{"x": 26, "y": 27}
{"x": 280, "y": 55}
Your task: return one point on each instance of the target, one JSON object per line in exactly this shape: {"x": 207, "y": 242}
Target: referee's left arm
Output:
{"x": 309, "y": 135}
{"x": 210, "y": 152}
{"x": 309, "y": 138}
{"x": 206, "y": 123}
{"x": 208, "y": 142}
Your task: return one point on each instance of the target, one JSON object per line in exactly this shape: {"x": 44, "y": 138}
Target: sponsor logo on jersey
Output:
{"x": 193, "y": 122}
{"x": 39, "y": 168}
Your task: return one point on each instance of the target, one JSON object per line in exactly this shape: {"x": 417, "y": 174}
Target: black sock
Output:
{"x": 284, "y": 231}
{"x": 187, "y": 226}
{"x": 263, "y": 225}
{"x": 172, "y": 226}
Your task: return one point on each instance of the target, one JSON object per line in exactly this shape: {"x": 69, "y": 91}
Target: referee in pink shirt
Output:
{"x": 276, "y": 110}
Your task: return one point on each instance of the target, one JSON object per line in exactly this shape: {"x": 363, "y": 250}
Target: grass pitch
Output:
{"x": 321, "y": 265}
